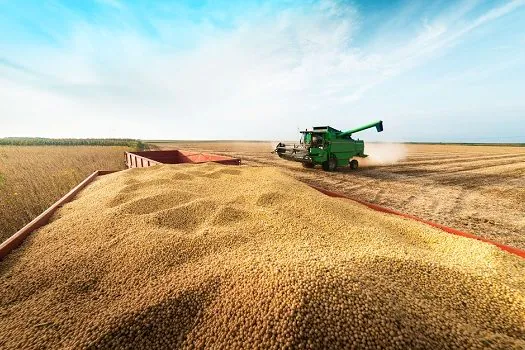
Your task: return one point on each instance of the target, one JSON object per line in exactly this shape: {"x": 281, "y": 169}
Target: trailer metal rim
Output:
{"x": 16, "y": 239}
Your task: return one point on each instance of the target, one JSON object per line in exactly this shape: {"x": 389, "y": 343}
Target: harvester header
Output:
{"x": 328, "y": 147}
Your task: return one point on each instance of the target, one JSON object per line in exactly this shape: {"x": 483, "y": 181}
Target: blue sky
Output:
{"x": 433, "y": 71}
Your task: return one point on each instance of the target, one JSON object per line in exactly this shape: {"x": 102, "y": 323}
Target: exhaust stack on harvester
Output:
{"x": 328, "y": 147}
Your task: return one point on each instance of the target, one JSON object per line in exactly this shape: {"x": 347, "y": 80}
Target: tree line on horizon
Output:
{"x": 43, "y": 141}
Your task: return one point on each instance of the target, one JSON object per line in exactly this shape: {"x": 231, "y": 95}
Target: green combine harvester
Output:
{"x": 328, "y": 147}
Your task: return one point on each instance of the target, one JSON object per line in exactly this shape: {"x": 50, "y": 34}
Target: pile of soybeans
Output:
{"x": 195, "y": 256}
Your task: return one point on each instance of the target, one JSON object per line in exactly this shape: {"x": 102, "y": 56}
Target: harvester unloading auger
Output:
{"x": 328, "y": 147}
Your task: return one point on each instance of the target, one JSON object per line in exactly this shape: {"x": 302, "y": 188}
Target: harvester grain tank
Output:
{"x": 328, "y": 147}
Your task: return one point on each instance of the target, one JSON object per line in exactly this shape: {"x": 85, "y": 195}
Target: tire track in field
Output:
{"x": 451, "y": 160}
{"x": 480, "y": 167}
{"x": 509, "y": 168}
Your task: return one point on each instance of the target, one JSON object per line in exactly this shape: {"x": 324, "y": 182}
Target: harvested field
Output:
{"x": 194, "y": 256}
{"x": 478, "y": 189}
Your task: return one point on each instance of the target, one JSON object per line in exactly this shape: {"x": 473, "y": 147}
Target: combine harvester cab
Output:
{"x": 328, "y": 147}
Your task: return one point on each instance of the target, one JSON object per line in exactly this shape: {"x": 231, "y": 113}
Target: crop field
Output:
{"x": 478, "y": 189}
{"x": 34, "y": 177}
{"x": 212, "y": 256}
{"x": 209, "y": 255}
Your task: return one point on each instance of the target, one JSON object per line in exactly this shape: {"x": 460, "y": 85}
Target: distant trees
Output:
{"x": 41, "y": 141}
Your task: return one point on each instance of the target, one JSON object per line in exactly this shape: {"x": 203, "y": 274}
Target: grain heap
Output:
{"x": 206, "y": 255}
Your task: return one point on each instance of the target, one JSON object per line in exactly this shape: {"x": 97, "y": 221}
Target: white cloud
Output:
{"x": 272, "y": 72}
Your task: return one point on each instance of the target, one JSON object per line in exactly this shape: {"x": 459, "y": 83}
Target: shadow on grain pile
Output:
{"x": 211, "y": 256}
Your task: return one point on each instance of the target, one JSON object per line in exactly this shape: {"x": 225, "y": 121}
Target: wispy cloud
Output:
{"x": 431, "y": 41}
{"x": 269, "y": 69}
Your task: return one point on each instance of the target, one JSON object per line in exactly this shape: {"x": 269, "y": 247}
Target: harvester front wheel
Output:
{"x": 354, "y": 164}
{"x": 308, "y": 165}
{"x": 330, "y": 164}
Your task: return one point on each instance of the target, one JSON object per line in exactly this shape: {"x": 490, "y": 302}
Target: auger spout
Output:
{"x": 378, "y": 125}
